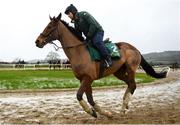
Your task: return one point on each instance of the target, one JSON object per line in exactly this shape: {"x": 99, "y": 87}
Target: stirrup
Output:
{"x": 107, "y": 64}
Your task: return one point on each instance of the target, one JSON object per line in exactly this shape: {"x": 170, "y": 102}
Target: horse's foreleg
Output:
{"x": 101, "y": 111}
{"x": 94, "y": 105}
{"x": 83, "y": 88}
{"x": 87, "y": 109}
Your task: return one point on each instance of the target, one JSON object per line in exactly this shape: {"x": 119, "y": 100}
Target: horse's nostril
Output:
{"x": 37, "y": 41}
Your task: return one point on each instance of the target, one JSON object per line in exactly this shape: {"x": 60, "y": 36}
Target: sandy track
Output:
{"x": 155, "y": 103}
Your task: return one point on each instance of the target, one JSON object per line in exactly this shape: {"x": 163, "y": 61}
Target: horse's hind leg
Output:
{"x": 128, "y": 76}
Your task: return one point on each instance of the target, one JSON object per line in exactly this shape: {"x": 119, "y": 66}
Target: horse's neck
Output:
{"x": 69, "y": 43}
{"x": 67, "y": 38}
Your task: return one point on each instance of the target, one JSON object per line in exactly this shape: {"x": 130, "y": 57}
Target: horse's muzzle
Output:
{"x": 38, "y": 44}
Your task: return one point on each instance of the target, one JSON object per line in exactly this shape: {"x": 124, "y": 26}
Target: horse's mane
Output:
{"x": 73, "y": 30}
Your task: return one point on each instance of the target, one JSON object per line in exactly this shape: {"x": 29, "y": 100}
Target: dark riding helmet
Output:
{"x": 71, "y": 8}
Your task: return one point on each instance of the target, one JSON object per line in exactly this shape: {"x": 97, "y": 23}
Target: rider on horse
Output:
{"x": 87, "y": 24}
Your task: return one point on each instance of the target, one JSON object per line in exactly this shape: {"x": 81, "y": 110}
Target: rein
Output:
{"x": 68, "y": 47}
{"x": 56, "y": 47}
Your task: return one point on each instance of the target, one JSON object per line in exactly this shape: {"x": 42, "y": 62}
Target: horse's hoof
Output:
{"x": 124, "y": 111}
{"x": 108, "y": 114}
{"x": 94, "y": 114}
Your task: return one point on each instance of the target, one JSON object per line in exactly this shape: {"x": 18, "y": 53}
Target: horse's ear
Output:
{"x": 59, "y": 16}
{"x": 50, "y": 17}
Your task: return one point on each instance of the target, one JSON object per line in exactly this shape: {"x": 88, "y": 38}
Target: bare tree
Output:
{"x": 52, "y": 56}
{"x": 18, "y": 61}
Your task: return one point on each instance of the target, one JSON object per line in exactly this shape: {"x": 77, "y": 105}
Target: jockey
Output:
{"x": 87, "y": 24}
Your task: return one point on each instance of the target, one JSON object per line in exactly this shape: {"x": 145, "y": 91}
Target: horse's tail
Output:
{"x": 150, "y": 71}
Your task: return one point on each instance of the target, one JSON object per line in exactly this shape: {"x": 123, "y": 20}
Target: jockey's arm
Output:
{"x": 92, "y": 25}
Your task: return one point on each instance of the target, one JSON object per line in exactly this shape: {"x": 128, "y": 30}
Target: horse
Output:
{"x": 66, "y": 64}
{"x": 87, "y": 70}
{"x": 54, "y": 64}
{"x": 20, "y": 64}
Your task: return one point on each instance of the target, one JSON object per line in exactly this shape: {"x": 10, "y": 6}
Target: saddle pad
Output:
{"x": 111, "y": 47}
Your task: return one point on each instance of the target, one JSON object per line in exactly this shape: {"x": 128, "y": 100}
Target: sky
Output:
{"x": 149, "y": 25}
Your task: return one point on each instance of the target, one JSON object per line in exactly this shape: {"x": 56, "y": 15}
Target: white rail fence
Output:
{"x": 54, "y": 67}
{"x": 34, "y": 66}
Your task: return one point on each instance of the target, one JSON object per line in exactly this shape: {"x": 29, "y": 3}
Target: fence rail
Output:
{"x": 34, "y": 66}
{"x": 56, "y": 67}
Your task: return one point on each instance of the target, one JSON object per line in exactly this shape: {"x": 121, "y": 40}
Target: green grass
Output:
{"x": 45, "y": 79}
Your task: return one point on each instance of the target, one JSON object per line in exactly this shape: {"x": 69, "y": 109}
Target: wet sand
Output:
{"x": 157, "y": 103}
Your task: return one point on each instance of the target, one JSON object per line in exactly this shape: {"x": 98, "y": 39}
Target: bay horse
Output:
{"x": 86, "y": 70}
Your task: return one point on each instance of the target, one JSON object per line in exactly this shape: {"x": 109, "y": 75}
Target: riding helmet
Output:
{"x": 71, "y": 8}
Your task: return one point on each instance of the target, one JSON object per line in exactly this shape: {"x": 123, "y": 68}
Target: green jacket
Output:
{"x": 87, "y": 24}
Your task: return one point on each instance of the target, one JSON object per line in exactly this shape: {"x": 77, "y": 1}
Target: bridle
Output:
{"x": 48, "y": 36}
{"x": 56, "y": 47}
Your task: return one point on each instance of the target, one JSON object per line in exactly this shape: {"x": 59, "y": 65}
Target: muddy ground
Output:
{"x": 158, "y": 103}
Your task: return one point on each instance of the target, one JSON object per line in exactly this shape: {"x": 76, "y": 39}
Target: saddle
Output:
{"x": 111, "y": 47}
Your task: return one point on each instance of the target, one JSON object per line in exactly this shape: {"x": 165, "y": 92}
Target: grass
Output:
{"x": 45, "y": 79}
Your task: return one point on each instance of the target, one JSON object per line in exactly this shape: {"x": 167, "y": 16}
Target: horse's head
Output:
{"x": 50, "y": 33}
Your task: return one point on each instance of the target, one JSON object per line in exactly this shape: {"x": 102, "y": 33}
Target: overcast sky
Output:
{"x": 149, "y": 25}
